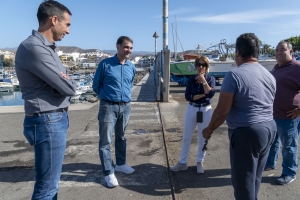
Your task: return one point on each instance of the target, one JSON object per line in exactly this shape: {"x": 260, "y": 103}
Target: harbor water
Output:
{"x": 11, "y": 99}
{"x": 15, "y": 99}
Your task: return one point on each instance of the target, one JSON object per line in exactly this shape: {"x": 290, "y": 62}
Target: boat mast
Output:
{"x": 176, "y": 37}
{"x": 174, "y": 42}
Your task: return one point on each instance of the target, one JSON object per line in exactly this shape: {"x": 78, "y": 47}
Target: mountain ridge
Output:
{"x": 71, "y": 49}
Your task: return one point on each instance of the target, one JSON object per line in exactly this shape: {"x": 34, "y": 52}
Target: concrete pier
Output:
{"x": 153, "y": 137}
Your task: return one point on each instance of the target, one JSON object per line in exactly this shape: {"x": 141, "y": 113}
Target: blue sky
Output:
{"x": 98, "y": 23}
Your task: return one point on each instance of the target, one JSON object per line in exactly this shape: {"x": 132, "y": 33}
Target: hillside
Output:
{"x": 71, "y": 49}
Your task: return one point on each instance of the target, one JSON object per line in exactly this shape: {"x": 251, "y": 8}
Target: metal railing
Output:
{"x": 161, "y": 78}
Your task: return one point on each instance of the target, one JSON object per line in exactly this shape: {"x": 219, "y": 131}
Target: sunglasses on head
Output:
{"x": 201, "y": 64}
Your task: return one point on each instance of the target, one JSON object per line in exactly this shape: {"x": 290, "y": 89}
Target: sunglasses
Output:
{"x": 201, "y": 65}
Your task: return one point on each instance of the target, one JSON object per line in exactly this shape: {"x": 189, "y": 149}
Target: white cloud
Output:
{"x": 291, "y": 27}
{"x": 180, "y": 11}
{"x": 247, "y": 17}
{"x": 177, "y": 12}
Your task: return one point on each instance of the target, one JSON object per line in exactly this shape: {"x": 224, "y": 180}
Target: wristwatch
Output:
{"x": 204, "y": 83}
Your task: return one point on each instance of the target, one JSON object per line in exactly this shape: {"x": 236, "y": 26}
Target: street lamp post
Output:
{"x": 165, "y": 24}
{"x": 155, "y": 36}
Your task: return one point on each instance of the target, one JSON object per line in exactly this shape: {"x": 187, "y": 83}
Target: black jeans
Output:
{"x": 249, "y": 149}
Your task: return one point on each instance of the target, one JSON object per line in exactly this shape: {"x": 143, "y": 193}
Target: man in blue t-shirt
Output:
{"x": 246, "y": 102}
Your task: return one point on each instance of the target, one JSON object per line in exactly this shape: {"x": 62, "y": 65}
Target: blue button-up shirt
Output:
{"x": 193, "y": 88}
{"x": 113, "y": 80}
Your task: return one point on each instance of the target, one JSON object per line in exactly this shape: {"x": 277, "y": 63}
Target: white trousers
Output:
{"x": 190, "y": 122}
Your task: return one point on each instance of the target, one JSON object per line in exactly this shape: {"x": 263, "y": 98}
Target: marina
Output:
{"x": 221, "y": 59}
{"x": 155, "y": 135}
{"x": 154, "y": 138}
{"x": 153, "y": 144}
{"x": 10, "y": 94}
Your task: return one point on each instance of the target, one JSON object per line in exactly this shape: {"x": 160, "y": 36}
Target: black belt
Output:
{"x": 113, "y": 102}
{"x": 56, "y": 110}
{"x": 199, "y": 105}
{"x": 50, "y": 111}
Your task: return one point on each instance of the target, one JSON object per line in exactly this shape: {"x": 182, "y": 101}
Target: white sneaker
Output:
{"x": 111, "y": 180}
{"x": 200, "y": 169}
{"x": 179, "y": 167}
{"x": 124, "y": 168}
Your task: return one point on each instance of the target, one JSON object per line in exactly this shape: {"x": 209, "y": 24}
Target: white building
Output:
{"x": 146, "y": 61}
{"x": 59, "y": 53}
{"x": 82, "y": 57}
{"x": 136, "y": 59}
{"x": 86, "y": 64}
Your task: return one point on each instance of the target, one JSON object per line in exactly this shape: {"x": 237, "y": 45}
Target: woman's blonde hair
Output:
{"x": 205, "y": 59}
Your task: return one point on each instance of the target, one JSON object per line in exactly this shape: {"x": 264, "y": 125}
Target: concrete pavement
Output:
{"x": 82, "y": 175}
{"x": 215, "y": 183}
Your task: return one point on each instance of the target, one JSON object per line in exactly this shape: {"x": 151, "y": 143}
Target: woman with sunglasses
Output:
{"x": 199, "y": 91}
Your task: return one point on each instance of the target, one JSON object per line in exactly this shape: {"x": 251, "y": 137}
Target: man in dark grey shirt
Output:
{"x": 46, "y": 90}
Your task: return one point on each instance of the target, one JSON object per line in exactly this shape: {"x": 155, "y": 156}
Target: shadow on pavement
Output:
{"x": 271, "y": 180}
{"x": 149, "y": 179}
{"x": 190, "y": 179}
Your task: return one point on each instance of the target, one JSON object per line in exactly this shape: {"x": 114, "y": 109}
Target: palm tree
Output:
{"x": 266, "y": 48}
{"x": 295, "y": 41}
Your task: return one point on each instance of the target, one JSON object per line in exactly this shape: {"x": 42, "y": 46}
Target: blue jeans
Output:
{"x": 288, "y": 133}
{"x": 47, "y": 133}
{"x": 112, "y": 118}
{"x": 249, "y": 149}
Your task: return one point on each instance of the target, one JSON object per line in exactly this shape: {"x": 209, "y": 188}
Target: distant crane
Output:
{"x": 224, "y": 48}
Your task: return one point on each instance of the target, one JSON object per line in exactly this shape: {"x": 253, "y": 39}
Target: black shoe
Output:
{"x": 284, "y": 180}
{"x": 268, "y": 168}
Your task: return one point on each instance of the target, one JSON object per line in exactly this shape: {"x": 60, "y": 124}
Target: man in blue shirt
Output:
{"x": 113, "y": 82}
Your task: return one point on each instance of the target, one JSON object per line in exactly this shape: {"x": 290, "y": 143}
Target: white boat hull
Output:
{"x": 6, "y": 87}
{"x": 216, "y": 69}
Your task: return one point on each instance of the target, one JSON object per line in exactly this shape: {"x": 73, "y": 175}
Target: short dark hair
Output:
{"x": 288, "y": 45}
{"x": 51, "y": 8}
{"x": 122, "y": 38}
{"x": 248, "y": 45}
